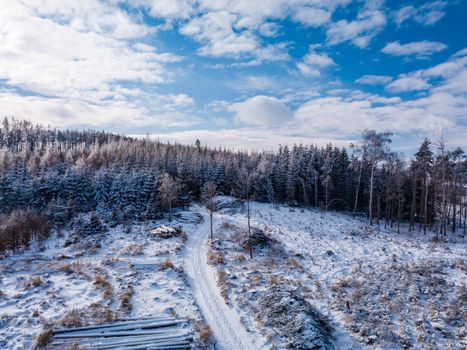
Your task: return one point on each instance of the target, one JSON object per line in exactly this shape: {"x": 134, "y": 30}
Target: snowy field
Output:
{"x": 126, "y": 272}
{"x": 317, "y": 281}
{"x": 377, "y": 289}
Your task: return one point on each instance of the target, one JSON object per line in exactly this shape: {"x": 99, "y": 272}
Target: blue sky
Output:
{"x": 241, "y": 74}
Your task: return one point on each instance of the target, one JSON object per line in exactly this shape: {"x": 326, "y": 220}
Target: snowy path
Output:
{"x": 224, "y": 322}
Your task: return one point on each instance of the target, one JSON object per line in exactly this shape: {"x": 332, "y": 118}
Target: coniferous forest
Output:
{"x": 58, "y": 173}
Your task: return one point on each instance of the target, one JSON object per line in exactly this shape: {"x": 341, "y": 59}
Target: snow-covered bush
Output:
{"x": 299, "y": 324}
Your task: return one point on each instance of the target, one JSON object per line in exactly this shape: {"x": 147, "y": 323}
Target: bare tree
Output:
{"x": 359, "y": 151}
{"x": 168, "y": 193}
{"x": 208, "y": 195}
{"x": 265, "y": 169}
{"x": 376, "y": 146}
{"x": 244, "y": 190}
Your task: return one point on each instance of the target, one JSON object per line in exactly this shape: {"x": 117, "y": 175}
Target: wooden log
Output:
{"x": 104, "y": 339}
{"x": 139, "y": 342}
{"x": 155, "y": 325}
{"x": 110, "y": 334}
{"x": 67, "y": 330}
{"x": 119, "y": 341}
{"x": 156, "y": 346}
{"x": 126, "y": 328}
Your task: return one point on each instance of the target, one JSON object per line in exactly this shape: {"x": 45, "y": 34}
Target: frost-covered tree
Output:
{"x": 168, "y": 193}
{"x": 376, "y": 145}
{"x": 244, "y": 189}
{"x": 208, "y": 196}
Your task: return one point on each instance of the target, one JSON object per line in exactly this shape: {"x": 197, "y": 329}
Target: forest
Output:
{"x": 50, "y": 175}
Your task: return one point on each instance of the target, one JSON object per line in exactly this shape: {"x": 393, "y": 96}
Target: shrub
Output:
{"x": 216, "y": 257}
{"x": 204, "y": 334}
{"x": 20, "y": 227}
{"x": 71, "y": 319}
{"x": 133, "y": 249}
{"x": 167, "y": 265}
{"x": 44, "y": 338}
{"x": 295, "y": 264}
{"x": 33, "y": 282}
{"x": 125, "y": 303}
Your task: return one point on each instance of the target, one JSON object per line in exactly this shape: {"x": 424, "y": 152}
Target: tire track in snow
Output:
{"x": 224, "y": 322}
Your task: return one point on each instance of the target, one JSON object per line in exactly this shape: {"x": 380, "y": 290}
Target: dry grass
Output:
{"x": 102, "y": 281}
{"x": 34, "y": 282}
{"x": 108, "y": 316}
{"x": 111, "y": 260}
{"x": 204, "y": 334}
{"x": 216, "y": 257}
{"x": 44, "y": 339}
{"x": 275, "y": 280}
{"x": 167, "y": 265}
{"x": 222, "y": 284}
{"x": 125, "y": 299}
{"x": 76, "y": 266}
{"x": 125, "y": 303}
{"x": 133, "y": 249}
{"x": 228, "y": 226}
{"x": 239, "y": 257}
{"x": 295, "y": 264}
{"x": 71, "y": 319}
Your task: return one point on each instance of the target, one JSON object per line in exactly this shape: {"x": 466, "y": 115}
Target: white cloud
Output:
{"x": 312, "y": 16}
{"x": 214, "y": 31}
{"x": 236, "y": 28}
{"x": 86, "y": 16}
{"x": 419, "y": 49}
{"x": 166, "y": 112}
{"x": 83, "y": 63}
{"x": 269, "y": 29}
{"x": 313, "y": 62}
{"x": 374, "y": 80}
{"x": 51, "y": 58}
{"x": 369, "y": 22}
{"x": 250, "y": 138}
{"x": 408, "y": 83}
{"x": 168, "y": 9}
{"x": 254, "y": 83}
{"x": 427, "y": 14}
{"x": 261, "y": 110}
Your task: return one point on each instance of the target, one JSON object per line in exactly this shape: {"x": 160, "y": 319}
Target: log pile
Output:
{"x": 143, "y": 333}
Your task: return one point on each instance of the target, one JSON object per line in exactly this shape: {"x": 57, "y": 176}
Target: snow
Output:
{"x": 314, "y": 252}
{"x": 224, "y": 322}
{"x": 376, "y": 288}
{"x": 131, "y": 260}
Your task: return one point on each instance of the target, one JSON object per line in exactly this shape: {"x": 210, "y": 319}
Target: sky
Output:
{"x": 239, "y": 74}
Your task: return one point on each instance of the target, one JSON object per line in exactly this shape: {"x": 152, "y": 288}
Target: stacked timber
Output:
{"x": 142, "y": 333}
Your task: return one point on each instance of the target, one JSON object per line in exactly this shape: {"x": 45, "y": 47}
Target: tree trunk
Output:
{"x": 425, "y": 209}
{"x": 412, "y": 207}
{"x": 249, "y": 228}
{"x": 210, "y": 217}
{"x": 316, "y": 193}
{"x": 370, "y": 206}
{"x": 358, "y": 189}
{"x": 378, "y": 208}
{"x": 399, "y": 212}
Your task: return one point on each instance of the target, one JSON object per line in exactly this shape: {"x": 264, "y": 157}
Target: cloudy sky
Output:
{"x": 242, "y": 74}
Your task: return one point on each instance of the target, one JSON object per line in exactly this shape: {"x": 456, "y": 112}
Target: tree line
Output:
{"x": 62, "y": 172}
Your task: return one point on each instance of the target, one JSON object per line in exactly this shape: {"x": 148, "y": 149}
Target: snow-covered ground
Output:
{"x": 378, "y": 289}
{"x": 319, "y": 281}
{"x": 225, "y": 324}
{"x": 66, "y": 286}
